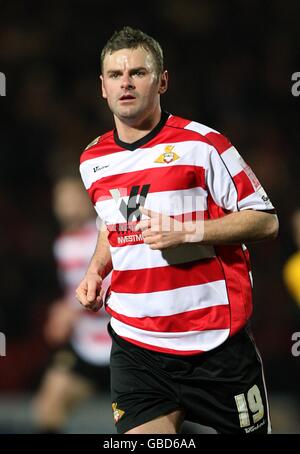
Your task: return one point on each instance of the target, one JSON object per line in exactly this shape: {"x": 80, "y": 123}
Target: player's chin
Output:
{"x": 128, "y": 112}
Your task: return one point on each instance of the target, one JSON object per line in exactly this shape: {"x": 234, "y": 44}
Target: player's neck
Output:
{"x": 131, "y": 132}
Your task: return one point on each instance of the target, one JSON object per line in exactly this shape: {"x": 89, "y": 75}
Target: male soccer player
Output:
{"x": 178, "y": 202}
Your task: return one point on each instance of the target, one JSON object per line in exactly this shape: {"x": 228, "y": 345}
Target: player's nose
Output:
{"x": 127, "y": 81}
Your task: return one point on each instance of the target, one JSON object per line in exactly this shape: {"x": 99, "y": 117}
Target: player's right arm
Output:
{"x": 89, "y": 292}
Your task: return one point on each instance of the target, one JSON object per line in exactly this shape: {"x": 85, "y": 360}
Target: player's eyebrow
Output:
{"x": 131, "y": 71}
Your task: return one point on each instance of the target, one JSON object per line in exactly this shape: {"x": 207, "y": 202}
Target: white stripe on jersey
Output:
{"x": 220, "y": 183}
{"x": 183, "y": 341}
{"x": 171, "y": 203}
{"x": 198, "y": 127}
{"x": 150, "y": 304}
{"x": 141, "y": 256}
{"x": 189, "y": 153}
{"x": 231, "y": 158}
{"x": 256, "y": 201}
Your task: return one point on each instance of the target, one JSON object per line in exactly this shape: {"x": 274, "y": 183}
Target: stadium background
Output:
{"x": 230, "y": 66}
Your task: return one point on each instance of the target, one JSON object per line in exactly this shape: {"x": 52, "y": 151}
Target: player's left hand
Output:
{"x": 160, "y": 231}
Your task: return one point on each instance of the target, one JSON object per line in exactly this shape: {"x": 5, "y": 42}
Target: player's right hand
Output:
{"x": 89, "y": 292}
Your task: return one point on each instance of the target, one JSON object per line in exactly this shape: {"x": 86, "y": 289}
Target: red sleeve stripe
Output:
{"x": 243, "y": 185}
{"x": 220, "y": 142}
{"x": 177, "y": 122}
{"x": 167, "y": 278}
{"x": 216, "y": 317}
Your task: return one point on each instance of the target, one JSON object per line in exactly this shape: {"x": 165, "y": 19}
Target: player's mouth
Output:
{"x": 127, "y": 97}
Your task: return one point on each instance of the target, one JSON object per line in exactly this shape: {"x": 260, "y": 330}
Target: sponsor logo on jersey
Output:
{"x": 168, "y": 156}
{"x": 255, "y": 427}
{"x": 250, "y": 174}
{"x": 132, "y": 208}
{"x": 117, "y": 413}
{"x": 97, "y": 168}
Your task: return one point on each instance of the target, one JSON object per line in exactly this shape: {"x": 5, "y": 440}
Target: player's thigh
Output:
{"x": 165, "y": 424}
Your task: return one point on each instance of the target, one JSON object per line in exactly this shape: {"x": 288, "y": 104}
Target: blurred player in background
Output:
{"x": 80, "y": 365}
{"x": 291, "y": 270}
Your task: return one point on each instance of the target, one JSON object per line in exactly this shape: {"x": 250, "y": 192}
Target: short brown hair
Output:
{"x": 132, "y": 38}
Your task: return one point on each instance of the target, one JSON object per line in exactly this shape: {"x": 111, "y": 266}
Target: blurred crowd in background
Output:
{"x": 230, "y": 65}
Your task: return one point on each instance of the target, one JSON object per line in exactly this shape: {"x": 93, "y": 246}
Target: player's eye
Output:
{"x": 139, "y": 73}
{"x": 114, "y": 75}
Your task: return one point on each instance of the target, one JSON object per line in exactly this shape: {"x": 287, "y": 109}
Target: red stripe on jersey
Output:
{"x": 243, "y": 185}
{"x": 220, "y": 142}
{"x": 216, "y": 317}
{"x": 160, "y": 349}
{"x": 127, "y": 228}
{"x": 238, "y": 285}
{"x": 167, "y": 178}
{"x": 106, "y": 145}
{"x": 237, "y": 278}
{"x": 247, "y": 258}
{"x": 123, "y": 238}
{"x": 167, "y": 277}
{"x": 172, "y": 135}
{"x": 172, "y": 132}
{"x": 177, "y": 122}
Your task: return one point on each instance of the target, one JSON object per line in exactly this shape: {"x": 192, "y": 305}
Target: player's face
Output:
{"x": 131, "y": 85}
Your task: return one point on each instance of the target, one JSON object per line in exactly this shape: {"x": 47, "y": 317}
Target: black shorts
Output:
{"x": 67, "y": 360}
{"x": 223, "y": 389}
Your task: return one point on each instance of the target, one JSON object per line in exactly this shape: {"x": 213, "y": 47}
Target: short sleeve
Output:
{"x": 232, "y": 183}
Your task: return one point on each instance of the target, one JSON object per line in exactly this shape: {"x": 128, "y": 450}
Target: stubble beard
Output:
{"x": 129, "y": 115}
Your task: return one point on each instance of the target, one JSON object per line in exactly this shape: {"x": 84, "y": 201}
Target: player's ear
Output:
{"x": 163, "y": 84}
{"x": 102, "y": 87}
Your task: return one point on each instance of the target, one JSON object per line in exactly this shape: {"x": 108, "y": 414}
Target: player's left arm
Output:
{"x": 234, "y": 190}
{"x": 161, "y": 231}
{"x": 246, "y": 226}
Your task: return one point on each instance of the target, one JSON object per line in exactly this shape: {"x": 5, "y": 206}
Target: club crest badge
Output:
{"x": 168, "y": 156}
{"x": 117, "y": 413}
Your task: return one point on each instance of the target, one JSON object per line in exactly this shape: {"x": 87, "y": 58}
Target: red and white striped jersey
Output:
{"x": 73, "y": 252}
{"x": 191, "y": 298}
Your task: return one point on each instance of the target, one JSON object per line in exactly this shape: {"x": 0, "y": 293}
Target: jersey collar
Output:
{"x": 139, "y": 143}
